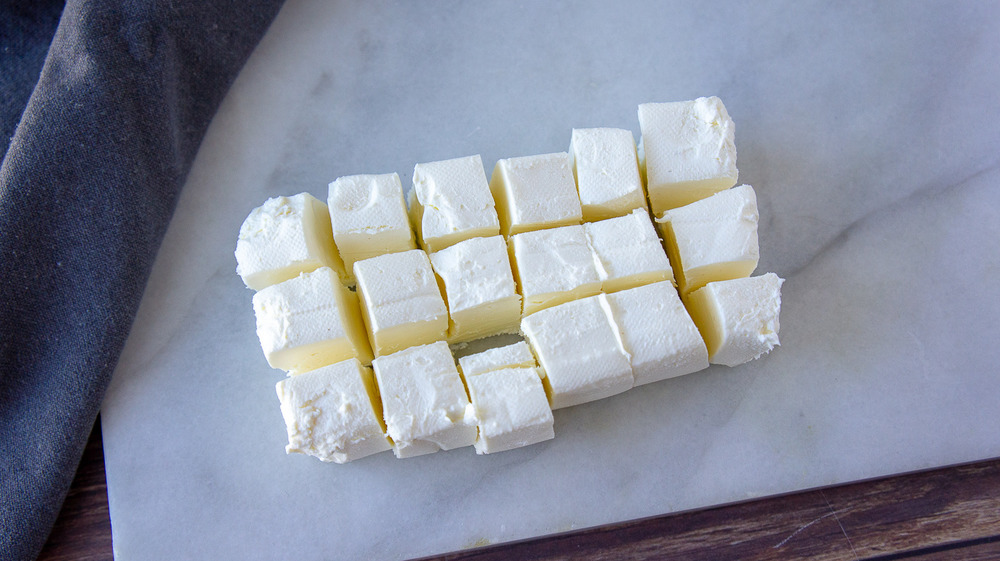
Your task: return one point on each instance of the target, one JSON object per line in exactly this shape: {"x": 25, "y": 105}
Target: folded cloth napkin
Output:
{"x": 87, "y": 186}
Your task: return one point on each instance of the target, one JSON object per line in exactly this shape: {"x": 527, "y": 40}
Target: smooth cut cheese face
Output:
{"x": 451, "y": 202}
{"x": 368, "y": 216}
{"x": 424, "y": 402}
{"x": 553, "y": 266}
{"x": 606, "y": 169}
{"x": 400, "y": 301}
{"x": 310, "y": 321}
{"x": 517, "y": 355}
{"x": 712, "y": 239}
{"x": 580, "y": 350}
{"x": 657, "y": 332}
{"x": 333, "y": 413}
{"x": 535, "y": 192}
{"x": 738, "y": 318}
{"x": 479, "y": 287}
{"x": 512, "y": 409}
{"x": 689, "y": 151}
{"x": 627, "y": 251}
{"x": 284, "y": 237}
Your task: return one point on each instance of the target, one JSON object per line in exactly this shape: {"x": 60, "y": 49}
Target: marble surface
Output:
{"x": 870, "y": 132}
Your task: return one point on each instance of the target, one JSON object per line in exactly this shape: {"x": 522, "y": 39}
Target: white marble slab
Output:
{"x": 870, "y": 132}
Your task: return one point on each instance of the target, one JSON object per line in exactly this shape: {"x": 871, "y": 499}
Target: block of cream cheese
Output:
{"x": 580, "y": 351}
{"x": 400, "y": 301}
{"x": 284, "y": 237}
{"x": 479, "y": 287}
{"x": 517, "y": 355}
{"x": 553, "y": 266}
{"x": 424, "y": 402}
{"x": 712, "y": 239}
{"x": 657, "y": 332}
{"x": 535, "y": 192}
{"x": 451, "y": 202}
{"x": 607, "y": 172}
{"x": 333, "y": 413}
{"x": 512, "y": 409}
{"x": 310, "y": 321}
{"x": 688, "y": 151}
{"x": 738, "y": 318}
{"x": 369, "y": 218}
{"x": 627, "y": 251}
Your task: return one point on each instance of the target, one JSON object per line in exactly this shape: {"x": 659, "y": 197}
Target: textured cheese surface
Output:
{"x": 607, "y": 172}
{"x": 580, "y": 351}
{"x": 657, "y": 332}
{"x": 627, "y": 251}
{"x": 333, "y": 413}
{"x": 424, "y": 402}
{"x": 553, "y": 266}
{"x": 368, "y": 216}
{"x": 451, "y": 202}
{"x": 510, "y": 356}
{"x": 535, "y": 192}
{"x": 512, "y": 409}
{"x": 309, "y": 321}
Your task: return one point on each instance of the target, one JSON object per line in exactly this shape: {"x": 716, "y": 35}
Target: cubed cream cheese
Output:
{"x": 657, "y": 332}
{"x": 479, "y": 287}
{"x": 400, "y": 301}
{"x": 424, "y": 402}
{"x": 284, "y": 237}
{"x": 689, "y": 151}
{"x": 310, "y": 321}
{"x": 627, "y": 251}
{"x": 517, "y": 355}
{"x": 333, "y": 413}
{"x": 535, "y": 192}
{"x": 738, "y": 318}
{"x": 580, "y": 350}
{"x": 607, "y": 172}
{"x": 512, "y": 409}
{"x": 553, "y": 266}
{"x": 451, "y": 202}
{"x": 712, "y": 239}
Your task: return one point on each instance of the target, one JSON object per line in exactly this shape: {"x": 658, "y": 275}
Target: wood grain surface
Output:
{"x": 944, "y": 514}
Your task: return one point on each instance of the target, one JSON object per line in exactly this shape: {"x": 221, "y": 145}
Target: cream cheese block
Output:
{"x": 580, "y": 350}
{"x": 688, "y": 151}
{"x": 712, "y": 239}
{"x": 517, "y": 355}
{"x": 424, "y": 402}
{"x": 512, "y": 409}
{"x": 400, "y": 301}
{"x": 535, "y": 192}
{"x": 479, "y": 287}
{"x": 310, "y": 321}
{"x": 284, "y": 237}
{"x": 451, "y": 202}
{"x": 738, "y": 318}
{"x": 657, "y": 332}
{"x": 368, "y": 216}
{"x": 553, "y": 266}
{"x": 627, "y": 251}
{"x": 607, "y": 172}
{"x": 333, "y": 413}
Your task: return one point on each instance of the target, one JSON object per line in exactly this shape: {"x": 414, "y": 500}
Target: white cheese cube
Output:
{"x": 535, "y": 192}
{"x": 607, "y": 172}
{"x": 657, "y": 332}
{"x": 517, "y": 355}
{"x": 738, "y": 318}
{"x": 712, "y": 239}
{"x": 553, "y": 266}
{"x": 369, "y": 217}
{"x": 310, "y": 321}
{"x": 689, "y": 151}
{"x": 424, "y": 401}
{"x": 580, "y": 351}
{"x": 400, "y": 301}
{"x": 479, "y": 286}
{"x": 333, "y": 413}
{"x": 451, "y": 202}
{"x": 512, "y": 409}
{"x": 628, "y": 251}
{"x": 284, "y": 237}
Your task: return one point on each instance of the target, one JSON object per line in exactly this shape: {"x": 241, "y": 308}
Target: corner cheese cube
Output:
{"x": 628, "y": 251}
{"x": 512, "y": 409}
{"x": 535, "y": 192}
{"x": 606, "y": 169}
{"x": 451, "y": 202}
{"x": 553, "y": 266}
{"x": 517, "y": 355}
